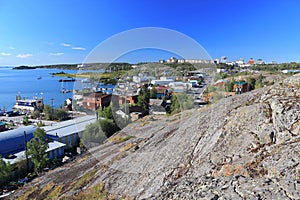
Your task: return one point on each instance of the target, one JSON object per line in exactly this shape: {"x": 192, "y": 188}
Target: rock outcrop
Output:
{"x": 242, "y": 147}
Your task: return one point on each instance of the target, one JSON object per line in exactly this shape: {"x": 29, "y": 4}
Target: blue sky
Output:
{"x": 36, "y": 32}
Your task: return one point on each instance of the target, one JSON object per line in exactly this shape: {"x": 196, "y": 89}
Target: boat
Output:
{"x": 67, "y": 80}
{"x": 65, "y": 90}
{"x": 86, "y": 80}
{"x": 39, "y": 78}
{"x": 28, "y": 104}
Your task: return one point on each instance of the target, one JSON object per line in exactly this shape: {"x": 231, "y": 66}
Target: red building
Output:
{"x": 240, "y": 87}
{"x": 251, "y": 61}
{"x": 96, "y": 100}
{"x": 130, "y": 99}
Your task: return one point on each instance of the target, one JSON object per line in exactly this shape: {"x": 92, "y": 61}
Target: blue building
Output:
{"x": 105, "y": 88}
{"x": 13, "y": 141}
{"x": 55, "y": 150}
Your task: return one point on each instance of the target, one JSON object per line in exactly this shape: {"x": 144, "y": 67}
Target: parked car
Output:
{"x": 11, "y": 113}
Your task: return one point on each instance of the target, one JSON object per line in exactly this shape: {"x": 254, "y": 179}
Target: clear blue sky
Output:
{"x": 34, "y": 32}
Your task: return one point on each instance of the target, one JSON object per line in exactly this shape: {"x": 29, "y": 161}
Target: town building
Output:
{"x": 162, "y": 82}
{"x": 12, "y": 145}
{"x": 220, "y": 83}
{"x": 195, "y": 61}
{"x": 105, "y": 88}
{"x": 172, "y": 60}
{"x": 241, "y": 86}
{"x": 14, "y": 141}
{"x": 251, "y": 61}
{"x": 161, "y": 91}
{"x": 69, "y": 132}
{"x": 96, "y": 100}
{"x": 260, "y": 61}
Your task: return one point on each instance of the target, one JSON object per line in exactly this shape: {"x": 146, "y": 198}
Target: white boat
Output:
{"x": 28, "y": 104}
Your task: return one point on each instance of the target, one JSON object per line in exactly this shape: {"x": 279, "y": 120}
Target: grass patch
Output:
{"x": 81, "y": 160}
{"x": 48, "y": 187}
{"x": 85, "y": 179}
{"x": 119, "y": 139}
{"x": 28, "y": 193}
{"x": 54, "y": 194}
{"x": 127, "y": 147}
{"x": 145, "y": 123}
{"x": 96, "y": 192}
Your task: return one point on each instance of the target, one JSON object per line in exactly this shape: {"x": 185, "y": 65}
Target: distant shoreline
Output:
{"x": 23, "y": 68}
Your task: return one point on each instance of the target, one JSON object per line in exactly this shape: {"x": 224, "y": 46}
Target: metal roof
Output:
{"x": 13, "y": 140}
{"x": 55, "y": 145}
{"x": 70, "y": 127}
{"x": 21, "y": 155}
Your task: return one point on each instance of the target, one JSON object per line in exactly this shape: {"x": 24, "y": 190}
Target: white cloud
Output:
{"x": 25, "y": 55}
{"x": 12, "y": 48}
{"x": 78, "y": 48}
{"x": 5, "y": 54}
{"x": 56, "y": 54}
{"x": 65, "y": 44}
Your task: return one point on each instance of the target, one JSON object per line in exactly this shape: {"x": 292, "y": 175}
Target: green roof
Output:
{"x": 240, "y": 83}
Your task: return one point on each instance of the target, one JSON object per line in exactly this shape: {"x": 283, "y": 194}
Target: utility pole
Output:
{"x": 25, "y": 144}
{"x": 52, "y": 104}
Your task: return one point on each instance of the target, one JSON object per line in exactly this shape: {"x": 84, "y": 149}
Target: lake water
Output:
{"x": 27, "y": 84}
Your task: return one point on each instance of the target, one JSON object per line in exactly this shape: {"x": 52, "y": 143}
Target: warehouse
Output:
{"x": 13, "y": 141}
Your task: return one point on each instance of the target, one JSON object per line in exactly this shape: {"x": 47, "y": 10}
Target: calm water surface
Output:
{"x": 27, "y": 84}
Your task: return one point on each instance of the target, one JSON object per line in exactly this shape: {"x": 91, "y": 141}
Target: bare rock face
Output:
{"x": 242, "y": 147}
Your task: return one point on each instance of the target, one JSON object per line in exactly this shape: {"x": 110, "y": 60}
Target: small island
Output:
{"x": 24, "y": 67}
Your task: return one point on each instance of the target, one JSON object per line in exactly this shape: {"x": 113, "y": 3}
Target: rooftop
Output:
{"x": 21, "y": 155}
{"x": 69, "y": 127}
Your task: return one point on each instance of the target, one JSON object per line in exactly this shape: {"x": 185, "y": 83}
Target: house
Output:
{"x": 220, "y": 83}
{"x": 156, "y": 107}
{"x": 251, "y": 61}
{"x": 179, "y": 87}
{"x": 105, "y": 88}
{"x": 122, "y": 99}
{"x": 96, "y": 100}
{"x": 241, "y": 86}
{"x": 161, "y": 91}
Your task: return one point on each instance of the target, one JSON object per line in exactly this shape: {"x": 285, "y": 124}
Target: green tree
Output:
{"x": 106, "y": 112}
{"x": 144, "y": 97}
{"x": 48, "y": 112}
{"x": 26, "y": 121}
{"x": 175, "y": 105}
{"x": 36, "y": 114}
{"x": 153, "y": 93}
{"x": 252, "y": 82}
{"x": 60, "y": 114}
{"x": 259, "y": 81}
{"x": 37, "y": 147}
{"x": 230, "y": 85}
{"x": 181, "y": 101}
{"x": 92, "y": 135}
{"x": 6, "y": 172}
{"x": 108, "y": 126}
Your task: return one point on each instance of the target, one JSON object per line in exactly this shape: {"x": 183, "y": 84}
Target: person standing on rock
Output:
{"x": 240, "y": 90}
{"x": 272, "y": 137}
